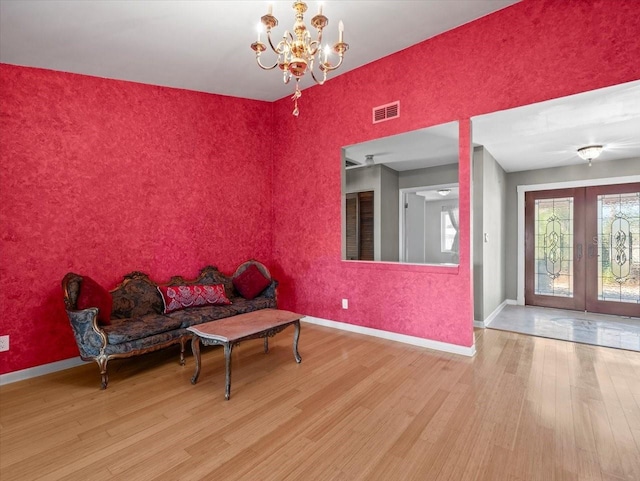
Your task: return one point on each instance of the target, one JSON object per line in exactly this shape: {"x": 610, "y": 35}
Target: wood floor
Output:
{"x": 357, "y": 408}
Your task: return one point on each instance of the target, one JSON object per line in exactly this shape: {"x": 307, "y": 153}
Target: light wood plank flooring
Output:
{"x": 357, "y": 408}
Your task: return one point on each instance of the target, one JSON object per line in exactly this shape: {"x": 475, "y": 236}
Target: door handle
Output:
{"x": 591, "y": 251}
{"x": 579, "y": 251}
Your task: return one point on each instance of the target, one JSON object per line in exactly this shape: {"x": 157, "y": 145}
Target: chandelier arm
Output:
{"x": 282, "y": 48}
{"x": 330, "y": 69}
{"x": 314, "y": 46}
{"x": 274, "y": 48}
{"x": 291, "y": 37}
{"x": 317, "y": 42}
{"x": 313, "y": 76}
{"x": 265, "y": 67}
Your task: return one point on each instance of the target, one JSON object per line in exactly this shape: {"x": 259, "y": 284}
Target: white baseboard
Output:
{"x": 479, "y": 324}
{"x": 497, "y": 310}
{"x": 393, "y": 336}
{"x": 511, "y": 302}
{"x": 16, "y": 376}
{"x": 36, "y": 371}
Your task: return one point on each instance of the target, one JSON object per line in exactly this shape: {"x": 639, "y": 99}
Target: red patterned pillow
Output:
{"x": 251, "y": 282}
{"x": 194, "y": 295}
{"x": 93, "y": 294}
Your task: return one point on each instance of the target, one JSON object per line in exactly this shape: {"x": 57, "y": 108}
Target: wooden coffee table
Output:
{"x": 231, "y": 331}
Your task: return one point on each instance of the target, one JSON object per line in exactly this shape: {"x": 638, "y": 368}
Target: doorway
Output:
{"x": 359, "y": 226}
{"x": 582, "y": 249}
{"x": 428, "y": 227}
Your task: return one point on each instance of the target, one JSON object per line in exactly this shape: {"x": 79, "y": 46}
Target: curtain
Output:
{"x": 455, "y": 218}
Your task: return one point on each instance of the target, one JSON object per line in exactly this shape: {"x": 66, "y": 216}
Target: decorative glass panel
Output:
{"x": 619, "y": 247}
{"x": 553, "y": 244}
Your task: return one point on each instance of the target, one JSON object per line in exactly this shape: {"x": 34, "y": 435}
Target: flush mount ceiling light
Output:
{"x": 297, "y": 52}
{"x": 368, "y": 160}
{"x": 590, "y": 152}
{"x": 444, "y": 192}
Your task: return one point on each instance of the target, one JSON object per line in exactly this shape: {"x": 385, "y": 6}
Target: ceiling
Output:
{"x": 449, "y": 193}
{"x": 537, "y": 136}
{"x": 418, "y": 149}
{"x": 548, "y": 134}
{"x": 205, "y": 45}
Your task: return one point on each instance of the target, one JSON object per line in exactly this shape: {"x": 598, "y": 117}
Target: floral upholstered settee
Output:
{"x": 143, "y": 314}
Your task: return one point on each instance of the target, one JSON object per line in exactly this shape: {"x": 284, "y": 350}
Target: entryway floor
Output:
{"x": 574, "y": 326}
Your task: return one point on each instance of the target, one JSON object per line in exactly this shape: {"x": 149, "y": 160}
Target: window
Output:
{"x": 447, "y": 231}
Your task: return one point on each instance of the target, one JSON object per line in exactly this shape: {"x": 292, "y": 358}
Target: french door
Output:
{"x": 582, "y": 249}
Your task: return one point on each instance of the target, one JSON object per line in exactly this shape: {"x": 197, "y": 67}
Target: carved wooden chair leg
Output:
{"x": 183, "y": 343}
{"x": 102, "y": 361}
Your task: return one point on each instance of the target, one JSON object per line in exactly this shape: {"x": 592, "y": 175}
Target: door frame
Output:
{"x": 550, "y": 186}
{"x": 577, "y": 300}
{"x": 593, "y": 303}
{"x": 401, "y": 212}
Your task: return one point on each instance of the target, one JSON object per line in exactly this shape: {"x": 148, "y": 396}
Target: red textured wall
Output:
{"x": 530, "y": 52}
{"x": 103, "y": 177}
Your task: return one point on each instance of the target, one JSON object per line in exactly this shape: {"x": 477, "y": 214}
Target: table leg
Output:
{"x": 296, "y": 336}
{"x": 228, "y": 347}
{"x": 266, "y": 344}
{"x": 195, "y": 347}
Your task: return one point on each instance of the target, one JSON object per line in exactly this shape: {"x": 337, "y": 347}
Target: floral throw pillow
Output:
{"x": 194, "y": 295}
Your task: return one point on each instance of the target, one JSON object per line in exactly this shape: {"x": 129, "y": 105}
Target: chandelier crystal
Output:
{"x": 297, "y": 52}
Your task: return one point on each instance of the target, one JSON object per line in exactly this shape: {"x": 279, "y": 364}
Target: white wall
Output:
{"x": 415, "y": 228}
{"x": 476, "y": 206}
{"x": 489, "y": 234}
{"x": 494, "y": 257}
{"x": 365, "y": 179}
{"x": 389, "y": 217}
{"x": 442, "y": 174}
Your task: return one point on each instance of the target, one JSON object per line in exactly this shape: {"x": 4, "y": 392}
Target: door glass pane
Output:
{"x": 553, "y": 241}
{"x": 619, "y": 247}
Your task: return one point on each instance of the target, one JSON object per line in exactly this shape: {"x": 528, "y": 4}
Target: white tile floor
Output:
{"x": 575, "y": 326}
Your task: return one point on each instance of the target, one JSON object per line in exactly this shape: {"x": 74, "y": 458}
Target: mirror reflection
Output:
{"x": 400, "y": 198}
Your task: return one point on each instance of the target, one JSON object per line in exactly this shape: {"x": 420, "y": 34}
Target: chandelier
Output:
{"x": 296, "y": 52}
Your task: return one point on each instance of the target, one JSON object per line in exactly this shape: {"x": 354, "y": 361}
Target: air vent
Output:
{"x": 386, "y": 112}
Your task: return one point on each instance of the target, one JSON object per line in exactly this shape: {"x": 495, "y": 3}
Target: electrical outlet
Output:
{"x": 345, "y": 303}
{"x": 4, "y": 343}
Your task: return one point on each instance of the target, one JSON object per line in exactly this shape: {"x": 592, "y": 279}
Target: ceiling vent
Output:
{"x": 386, "y": 112}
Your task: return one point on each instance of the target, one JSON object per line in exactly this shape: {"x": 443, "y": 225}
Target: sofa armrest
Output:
{"x": 271, "y": 291}
{"x": 91, "y": 339}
